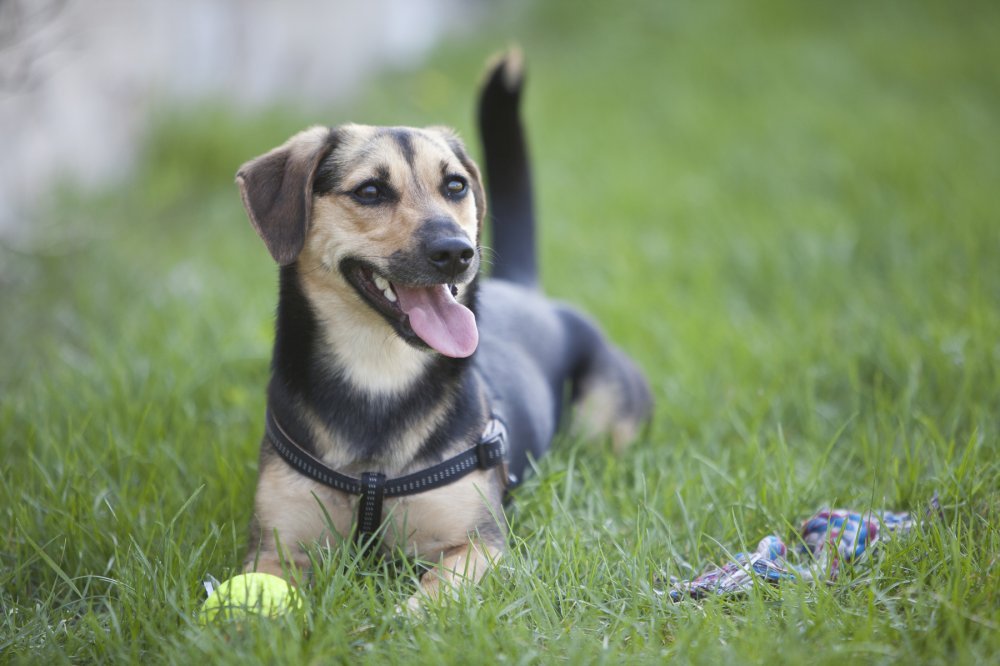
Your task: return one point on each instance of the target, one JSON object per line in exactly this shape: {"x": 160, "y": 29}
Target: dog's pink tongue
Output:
{"x": 442, "y": 322}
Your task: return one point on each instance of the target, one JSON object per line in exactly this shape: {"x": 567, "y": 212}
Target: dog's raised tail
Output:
{"x": 508, "y": 176}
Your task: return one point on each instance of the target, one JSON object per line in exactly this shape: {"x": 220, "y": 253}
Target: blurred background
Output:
{"x": 80, "y": 80}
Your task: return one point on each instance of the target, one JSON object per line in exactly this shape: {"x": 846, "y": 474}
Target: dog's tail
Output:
{"x": 508, "y": 176}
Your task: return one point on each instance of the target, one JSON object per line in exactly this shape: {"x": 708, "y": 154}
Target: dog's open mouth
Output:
{"x": 426, "y": 313}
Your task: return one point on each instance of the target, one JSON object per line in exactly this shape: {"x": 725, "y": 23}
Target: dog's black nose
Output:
{"x": 450, "y": 255}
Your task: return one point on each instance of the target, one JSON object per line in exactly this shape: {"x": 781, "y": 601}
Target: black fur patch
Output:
{"x": 404, "y": 140}
{"x": 327, "y": 178}
{"x": 302, "y": 376}
{"x": 463, "y": 421}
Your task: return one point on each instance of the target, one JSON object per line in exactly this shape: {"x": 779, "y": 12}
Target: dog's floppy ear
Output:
{"x": 277, "y": 191}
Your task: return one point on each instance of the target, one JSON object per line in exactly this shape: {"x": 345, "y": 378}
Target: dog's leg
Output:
{"x": 269, "y": 553}
{"x": 291, "y": 510}
{"x": 610, "y": 395}
{"x": 461, "y": 565}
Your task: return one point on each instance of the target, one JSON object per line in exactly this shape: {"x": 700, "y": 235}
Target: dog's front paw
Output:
{"x": 415, "y": 604}
{"x": 415, "y": 607}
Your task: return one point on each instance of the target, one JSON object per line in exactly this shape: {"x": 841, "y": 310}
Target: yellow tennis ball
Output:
{"x": 251, "y": 593}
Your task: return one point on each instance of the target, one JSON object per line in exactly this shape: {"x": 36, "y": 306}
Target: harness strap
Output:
{"x": 370, "y": 506}
{"x": 373, "y": 487}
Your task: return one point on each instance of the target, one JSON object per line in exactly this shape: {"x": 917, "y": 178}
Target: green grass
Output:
{"x": 786, "y": 211}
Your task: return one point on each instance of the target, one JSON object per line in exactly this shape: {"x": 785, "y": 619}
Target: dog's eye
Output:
{"x": 455, "y": 187}
{"x": 368, "y": 193}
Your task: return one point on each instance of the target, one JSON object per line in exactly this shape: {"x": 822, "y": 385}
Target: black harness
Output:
{"x": 373, "y": 487}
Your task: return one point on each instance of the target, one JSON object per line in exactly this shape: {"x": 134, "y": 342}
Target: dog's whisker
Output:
{"x": 318, "y": 268}
{"x": 487, "y": 256}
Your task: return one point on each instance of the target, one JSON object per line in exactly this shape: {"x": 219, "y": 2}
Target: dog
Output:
{"x": 407, "y": 394}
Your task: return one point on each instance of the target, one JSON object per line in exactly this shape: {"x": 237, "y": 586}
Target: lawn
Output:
{"x": 787, "y": 212}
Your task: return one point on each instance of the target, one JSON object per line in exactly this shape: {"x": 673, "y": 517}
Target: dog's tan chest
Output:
{"x": 427, "y": 524}
{"x": 422, "y": 525}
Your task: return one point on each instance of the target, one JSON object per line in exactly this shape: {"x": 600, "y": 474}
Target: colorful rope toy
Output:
{"x": 826, "y": 541}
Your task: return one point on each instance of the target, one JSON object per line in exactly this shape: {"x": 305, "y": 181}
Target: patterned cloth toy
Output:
{"x": 828, "y": 539}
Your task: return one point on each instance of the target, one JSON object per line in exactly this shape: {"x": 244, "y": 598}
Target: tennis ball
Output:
{"x": 252, "y": 593}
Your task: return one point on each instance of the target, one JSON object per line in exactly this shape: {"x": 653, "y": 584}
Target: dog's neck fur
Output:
{"x": 360, "y": 399}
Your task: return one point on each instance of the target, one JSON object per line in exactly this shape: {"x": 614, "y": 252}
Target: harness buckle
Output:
{"x": 490, "y": 449}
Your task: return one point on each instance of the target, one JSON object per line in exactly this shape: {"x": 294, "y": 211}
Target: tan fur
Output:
{"x": 416, "y": 524}
{"x": 287, "y": 510}
{"x": 291, "y": 509}
{"x": 461, "y": 565}
{"x": 373, "y": 357}
{"x": 598, "y": 413}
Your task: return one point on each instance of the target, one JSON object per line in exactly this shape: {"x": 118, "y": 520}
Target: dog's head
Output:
{"x": 387, "y": 217}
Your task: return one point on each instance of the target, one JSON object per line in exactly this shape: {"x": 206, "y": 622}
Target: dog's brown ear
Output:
{"x": 277, "y": 191}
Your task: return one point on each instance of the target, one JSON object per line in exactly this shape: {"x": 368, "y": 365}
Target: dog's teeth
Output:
{"x": 381, "y": 283}
{"x": 389, "y": 293}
